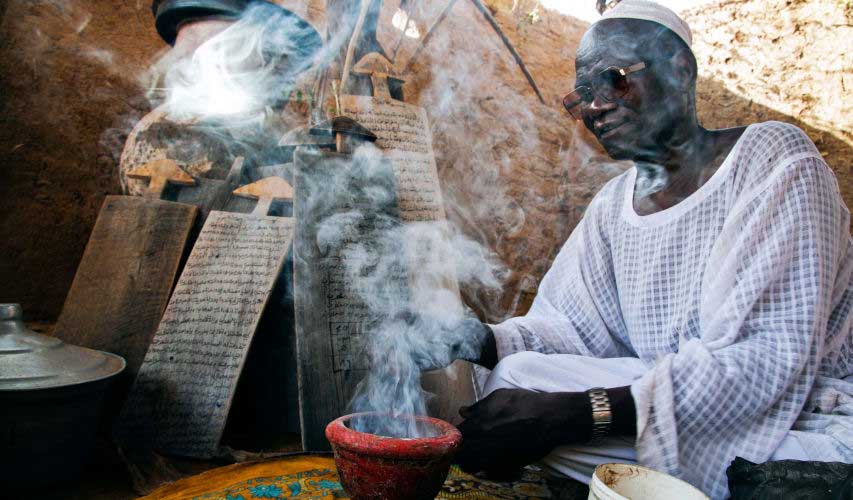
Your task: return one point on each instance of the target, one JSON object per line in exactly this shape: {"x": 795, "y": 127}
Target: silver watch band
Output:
{"x": 602, "y": 416}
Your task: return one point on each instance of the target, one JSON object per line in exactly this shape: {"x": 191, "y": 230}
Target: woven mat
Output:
{"x": 315, "y": 477}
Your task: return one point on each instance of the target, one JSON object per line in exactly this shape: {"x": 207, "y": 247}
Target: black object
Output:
{"x": 51, "y": 395}
{"x": 343, "y": 125}
{"x": 169, "y": 14}
{"x": 790, "y": 479}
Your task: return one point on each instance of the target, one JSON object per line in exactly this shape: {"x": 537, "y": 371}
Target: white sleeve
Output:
{"x": 566, "y": 316}
{"x": 766, "y": 300}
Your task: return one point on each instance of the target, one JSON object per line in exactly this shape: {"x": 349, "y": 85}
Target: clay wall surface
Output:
{"x": 516, "y": 173}
{"x": 787, "y": 60}
{"x": 69, "y": 92}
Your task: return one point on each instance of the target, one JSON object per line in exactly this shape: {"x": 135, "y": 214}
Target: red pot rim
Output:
{"x": 445, "y": 443}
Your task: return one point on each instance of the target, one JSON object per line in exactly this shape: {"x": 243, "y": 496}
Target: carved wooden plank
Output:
{"x": 159, "y": 173}
{"x": 266, "y": 191}
{"x": 332, "y": 318}
{"x": 124, "y": 279}
{"x": 210, "y": 194}
{"x": 180, "y": 401}
{"x": 404, "y": 135}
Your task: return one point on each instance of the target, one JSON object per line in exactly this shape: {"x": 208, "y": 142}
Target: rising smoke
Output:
{"x": 230, "y": 89}
{"x": 403, "y": 276}
{"x": 247, "y": 67}
{"x": 430, "y": 326}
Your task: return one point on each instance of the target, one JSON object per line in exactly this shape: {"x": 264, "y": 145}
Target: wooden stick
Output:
{"x": 318, "y": 107}
{"x": 356, "y": 32}
{"x": 428, "y": 35}
{"x": 494, "y": 23}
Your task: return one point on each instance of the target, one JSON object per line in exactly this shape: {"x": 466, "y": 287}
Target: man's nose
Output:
{"x": 599, "y": 106}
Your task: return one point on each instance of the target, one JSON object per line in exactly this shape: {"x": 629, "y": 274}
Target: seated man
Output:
{"x": 707, "y": 289}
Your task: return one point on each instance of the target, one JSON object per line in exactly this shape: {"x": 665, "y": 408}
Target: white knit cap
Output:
{"x": 651, "y": 11}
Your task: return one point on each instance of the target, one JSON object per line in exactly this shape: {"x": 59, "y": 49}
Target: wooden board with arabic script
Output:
{"x": 180, "y": 401}
{"x": 403, "y": 133}
{"x": 348, "y": 278}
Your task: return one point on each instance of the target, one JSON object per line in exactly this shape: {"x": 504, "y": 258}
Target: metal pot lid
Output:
{"x": 29, "y": 360}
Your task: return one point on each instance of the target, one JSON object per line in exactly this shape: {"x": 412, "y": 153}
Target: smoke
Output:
{"x": 505, "y": 158}
{"x": 488, "y": 130}
{"x": 405, "y": 277}
{"x": 230, "y": 90}
{"x": 250, "y": 65}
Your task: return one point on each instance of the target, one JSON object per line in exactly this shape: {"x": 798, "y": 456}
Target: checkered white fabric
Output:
{"x": 737, "y": 299}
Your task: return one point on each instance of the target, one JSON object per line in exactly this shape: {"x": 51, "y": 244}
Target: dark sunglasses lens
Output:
{"x": 615, "y": 83}
{"x": 573, "y": 101}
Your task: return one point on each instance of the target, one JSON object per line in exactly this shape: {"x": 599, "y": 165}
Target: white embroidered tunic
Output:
{"x": 738, "y": 299}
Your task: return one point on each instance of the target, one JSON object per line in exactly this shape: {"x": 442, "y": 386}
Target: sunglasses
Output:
{"x": 611, "y": 84}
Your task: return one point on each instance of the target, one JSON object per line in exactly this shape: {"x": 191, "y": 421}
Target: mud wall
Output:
{"x": 787, "y": 60}
{"x": 68, "y": 89}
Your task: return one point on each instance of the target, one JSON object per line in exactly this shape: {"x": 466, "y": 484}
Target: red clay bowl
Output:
{"x": 389, "y": 468}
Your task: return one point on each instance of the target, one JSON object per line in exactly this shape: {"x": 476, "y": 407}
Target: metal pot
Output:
{"x": 50, "y": 400}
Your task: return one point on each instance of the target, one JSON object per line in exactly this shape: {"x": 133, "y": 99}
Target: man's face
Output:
{"x": 635, "y": 125}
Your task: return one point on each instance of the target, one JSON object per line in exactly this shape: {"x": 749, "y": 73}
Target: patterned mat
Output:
{"x": 315, "y": 477}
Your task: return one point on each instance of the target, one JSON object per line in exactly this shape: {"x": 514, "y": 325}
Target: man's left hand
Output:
{"x": 511, "y": 428}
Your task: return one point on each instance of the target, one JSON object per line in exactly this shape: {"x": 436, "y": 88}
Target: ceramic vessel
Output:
{"x": 380, "y": 467}
{"x": 634, "y": 482}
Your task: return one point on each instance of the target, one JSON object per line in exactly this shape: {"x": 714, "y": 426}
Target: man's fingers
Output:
{"x": 468, "y": 428}
{"x": 473, "y": 456}
{"x": 471, "y": 410}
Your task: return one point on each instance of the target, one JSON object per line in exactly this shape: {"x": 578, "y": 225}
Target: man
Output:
{"x": 707, "y": 289}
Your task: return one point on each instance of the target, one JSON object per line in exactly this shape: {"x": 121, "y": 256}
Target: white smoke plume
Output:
{"x": 405, "y": 275}
{"x": 250, "y": 65}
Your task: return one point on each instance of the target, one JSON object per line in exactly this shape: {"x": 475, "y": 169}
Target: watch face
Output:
{"x": 601, "y": 417}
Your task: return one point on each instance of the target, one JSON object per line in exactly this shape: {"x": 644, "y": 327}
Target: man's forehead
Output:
{"x": 610, "y": 43}
{"x": 615, "y": 41}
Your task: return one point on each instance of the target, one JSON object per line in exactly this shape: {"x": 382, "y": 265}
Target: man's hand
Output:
{"x": 435, "y": 344}
{"x": 511, "y": 428}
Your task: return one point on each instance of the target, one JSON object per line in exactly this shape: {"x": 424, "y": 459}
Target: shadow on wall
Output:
{"x": 68, "y": 97}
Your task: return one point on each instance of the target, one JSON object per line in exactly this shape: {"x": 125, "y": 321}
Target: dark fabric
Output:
{"x": 790, "y": 479}
{"x": 169, "y": 14}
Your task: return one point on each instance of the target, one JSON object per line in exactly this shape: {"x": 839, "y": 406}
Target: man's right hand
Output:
{"x": 468, "y": 339}
{"x": 489, "y": 352}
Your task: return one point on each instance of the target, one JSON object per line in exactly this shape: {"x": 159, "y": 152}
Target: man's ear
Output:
{"x": 683, "y": 66}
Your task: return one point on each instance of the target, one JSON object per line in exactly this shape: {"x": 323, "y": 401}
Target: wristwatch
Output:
{"x": 602, "y": 416}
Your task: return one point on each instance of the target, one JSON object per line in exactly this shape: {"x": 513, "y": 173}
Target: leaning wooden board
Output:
{"x": 403, "y": 133}
{"x": 127, "y": 271}
{"x": 333, "y": 318}
{"x": 180, "y": 401}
